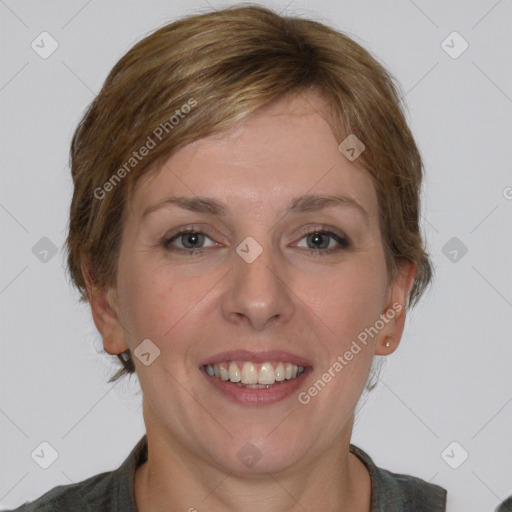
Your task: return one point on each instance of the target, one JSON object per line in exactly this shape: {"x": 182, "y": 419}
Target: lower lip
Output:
{"x": 255, "y": 396}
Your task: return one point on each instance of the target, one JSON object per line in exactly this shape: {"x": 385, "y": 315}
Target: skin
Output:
{"x": 193, "y": 307}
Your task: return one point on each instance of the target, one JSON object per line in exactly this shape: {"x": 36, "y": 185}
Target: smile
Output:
{"x": 256, "y": 378}
{"x": 253, "y": 375}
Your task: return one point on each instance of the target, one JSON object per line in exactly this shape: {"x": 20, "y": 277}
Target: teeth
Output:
{"x": 279, "y": 373}
{"x": 224, "y": 373}
{"x": 251, "y": 377}
{"x": 234, "y": 373}
{"x": 266, "y": 375}
{"x": 249, "y": 374}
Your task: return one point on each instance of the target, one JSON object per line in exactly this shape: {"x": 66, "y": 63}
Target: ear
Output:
{"x": 393, "y": 314}
{"x": 105, "y": 313}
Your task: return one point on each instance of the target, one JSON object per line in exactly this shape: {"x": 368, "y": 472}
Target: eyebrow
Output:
{"x": 303, "y": 204}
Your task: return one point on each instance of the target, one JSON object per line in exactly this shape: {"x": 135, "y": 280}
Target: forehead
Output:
{"x": 285, "y": 150}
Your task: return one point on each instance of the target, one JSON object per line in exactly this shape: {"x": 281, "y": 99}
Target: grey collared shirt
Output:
{"x": 505, "y": 506}
{"x": 113, "y": 491}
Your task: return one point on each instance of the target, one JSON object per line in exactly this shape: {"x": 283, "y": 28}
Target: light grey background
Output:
{"x": 450, "y": 379}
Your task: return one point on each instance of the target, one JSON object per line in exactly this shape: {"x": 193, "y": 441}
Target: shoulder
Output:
{"x": 105, "y": 492}
{"x": 399, "y": 492}
{"x": 506, "y": 506}
{"x": 75, "y": 496}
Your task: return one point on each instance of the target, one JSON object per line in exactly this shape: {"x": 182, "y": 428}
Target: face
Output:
{"x": 271, "y": 281}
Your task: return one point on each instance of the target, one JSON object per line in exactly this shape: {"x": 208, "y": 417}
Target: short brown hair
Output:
{"x": 210, "y": 71}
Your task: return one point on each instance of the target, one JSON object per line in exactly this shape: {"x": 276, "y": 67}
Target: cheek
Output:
{"x": 350, "y": 300}
{"x": 147, "y": 299}
{"x": 162, "y": 305}
{"x": 349, "y": 309}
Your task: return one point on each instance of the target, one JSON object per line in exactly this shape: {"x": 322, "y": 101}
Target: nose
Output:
{"x": 257, "y": 294}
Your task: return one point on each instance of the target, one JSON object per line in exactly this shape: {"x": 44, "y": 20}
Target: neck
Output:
{"x": 173, "y": 479}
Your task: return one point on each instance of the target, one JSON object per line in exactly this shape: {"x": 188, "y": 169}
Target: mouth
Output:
{"x": 256, "y": 378}
{"x": 252, "y": 375}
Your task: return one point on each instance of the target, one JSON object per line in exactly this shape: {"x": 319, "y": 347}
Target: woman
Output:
{"x": 245, "y": 226}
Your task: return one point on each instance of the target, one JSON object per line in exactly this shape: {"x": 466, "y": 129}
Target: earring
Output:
{"x": 387, "y": 344}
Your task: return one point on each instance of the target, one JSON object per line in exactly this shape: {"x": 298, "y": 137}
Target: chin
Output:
{"x": 255, "y": 452}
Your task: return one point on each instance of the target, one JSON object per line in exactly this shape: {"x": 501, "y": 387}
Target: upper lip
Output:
{"x": 257, "y": 357}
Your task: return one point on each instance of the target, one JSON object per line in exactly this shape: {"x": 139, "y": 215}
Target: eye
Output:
{"x": 187, "y": 240}
{"x": 318, "y": 241}
{"x": 322, "y": 241}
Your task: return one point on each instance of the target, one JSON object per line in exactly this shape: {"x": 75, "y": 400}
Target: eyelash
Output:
{"x": 343, "y": 241}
